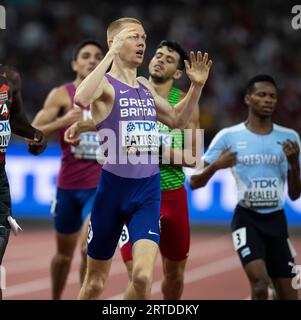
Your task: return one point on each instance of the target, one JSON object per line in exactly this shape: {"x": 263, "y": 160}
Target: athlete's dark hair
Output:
{"x": 176, "y": 47}
{"x": 84, "y": 43}
{"x": 259, "y": 78}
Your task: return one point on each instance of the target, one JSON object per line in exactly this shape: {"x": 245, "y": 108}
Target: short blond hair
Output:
{"x": 116, "y": 25}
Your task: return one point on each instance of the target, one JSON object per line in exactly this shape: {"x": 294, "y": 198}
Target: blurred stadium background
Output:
{"x": 243, "y": 39}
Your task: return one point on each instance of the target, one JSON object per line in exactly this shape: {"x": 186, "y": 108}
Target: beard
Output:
{"x": 159, "y": 79}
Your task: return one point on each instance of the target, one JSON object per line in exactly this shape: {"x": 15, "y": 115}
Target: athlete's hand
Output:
{"x": 226, "y": 159}
{"x": 72, "y": 134}
{"x": 291, "y": 150}
{"x": 199, "y": 69}
{"x": 37, "y": 145}
{"x": 73, "y": 115}
{"x": 120, "y": 38}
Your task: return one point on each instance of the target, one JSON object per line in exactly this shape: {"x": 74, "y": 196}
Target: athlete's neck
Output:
{"x": 259, "y": 125}
{"x": 124, "y": 73}
{"x": 77, "y": 81}
{"x": 162, "y": 88}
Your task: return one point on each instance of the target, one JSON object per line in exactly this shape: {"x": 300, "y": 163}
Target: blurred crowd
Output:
{"x": 243, "y": 38}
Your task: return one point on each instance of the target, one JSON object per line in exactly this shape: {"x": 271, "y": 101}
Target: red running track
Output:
{"x": 213, "y": 270}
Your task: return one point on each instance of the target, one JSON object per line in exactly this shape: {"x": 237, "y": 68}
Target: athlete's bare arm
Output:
{"x": 57, "y": 103}
{"x": 291, "y": 150}
{"x": 189, "y": 154}
{"x": 179, "y": 115}
{"x": 72, "y": 134}
{"x": 226, "y": 159}
{"x": 95, "y": 89}
{"x": 18, "y": 120}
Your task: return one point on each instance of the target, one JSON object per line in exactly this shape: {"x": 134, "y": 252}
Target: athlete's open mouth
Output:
{"x": 139, "y": 53}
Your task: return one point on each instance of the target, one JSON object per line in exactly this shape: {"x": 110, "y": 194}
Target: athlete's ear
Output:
{"x": 74, "y": 65}
{"x": 110, "y": 41}
{"x": 247, "y": 99}
{"x": 178, "y": 74}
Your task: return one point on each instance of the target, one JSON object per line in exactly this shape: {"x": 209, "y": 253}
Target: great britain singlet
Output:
{"x": 129, "y": 135}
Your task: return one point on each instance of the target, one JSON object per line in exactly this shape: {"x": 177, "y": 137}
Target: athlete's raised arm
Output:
{"x": 178, "y": 116}
{"x": 95, "y": 86}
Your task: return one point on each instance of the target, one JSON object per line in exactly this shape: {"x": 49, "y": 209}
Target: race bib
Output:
{"x": 124, "y": 237}
{"x": 239, "y": 238}
{"x": 89, "y": 144}
{"x": 88, "y": 147}
{"x": 139, "y": 136}
{"x": 5, "y": 133}
{"x": 262, "y": 193}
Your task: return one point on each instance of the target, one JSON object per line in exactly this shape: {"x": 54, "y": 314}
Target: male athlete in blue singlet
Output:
{"x": 262, "y": 156}
{"x": 125, "y": 110}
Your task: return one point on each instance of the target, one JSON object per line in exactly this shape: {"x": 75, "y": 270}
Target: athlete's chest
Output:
{"x": 258, "y": 150}
{"x": 135, "y": 103}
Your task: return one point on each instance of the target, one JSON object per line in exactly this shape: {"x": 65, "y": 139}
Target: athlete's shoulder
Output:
{"x": 286, "y": 131}
{"x": 59, "y": 96}
{"x": 227, "y": 133}
{"x": 233, "y": 129}
{"x": 13, "y": 75}
{"x": 145, "y": 82}
{"x": 59, "y": 91}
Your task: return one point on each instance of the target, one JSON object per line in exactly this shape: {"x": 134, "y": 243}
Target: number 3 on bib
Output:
{"x": 239, "y": 238}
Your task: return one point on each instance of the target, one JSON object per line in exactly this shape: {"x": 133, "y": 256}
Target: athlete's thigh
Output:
{"x": 247, "y": 240}
{"x": 105, "y": 225}
{"x": 66, "y": 211}
{"x": 280, "y": 257}
{"x": 144, "y": 255}
{"x": 256, "y": 271}
{"x": 66, "y": 242}
{"x": 86, "y": 198}
{"x": 280, "y": 266}
{"x": 144, "y": 223}
{"x": 175, "y": 232}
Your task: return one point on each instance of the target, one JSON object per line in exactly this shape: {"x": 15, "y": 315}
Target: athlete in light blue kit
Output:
{"x": 262, "y": 156}
{"x": 125, "y": 110}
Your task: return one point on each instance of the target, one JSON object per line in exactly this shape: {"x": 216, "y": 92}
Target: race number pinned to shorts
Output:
{"x": 90, "y": 233}
{"x": 124, "y": 237}
{"x": 239, "y": 238}
{"x": 53, "y": 206}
